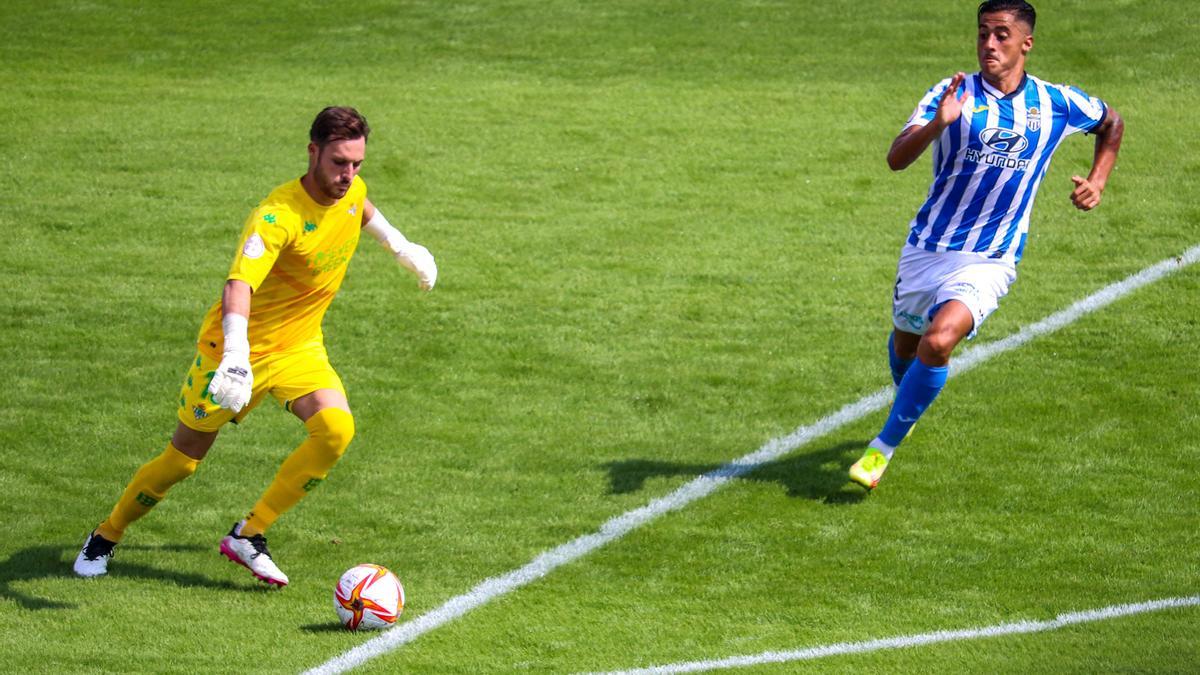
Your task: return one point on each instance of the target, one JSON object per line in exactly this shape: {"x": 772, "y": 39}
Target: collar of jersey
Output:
{"x": 316, "y": 205}
{"x": 995, "y": 93}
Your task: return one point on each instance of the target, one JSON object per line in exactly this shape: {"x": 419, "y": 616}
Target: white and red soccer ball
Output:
{"x": 367, "y": 597}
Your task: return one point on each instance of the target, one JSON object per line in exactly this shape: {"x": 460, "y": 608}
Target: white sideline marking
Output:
{"x": 702, "y": 486}
{"x": 1060, "y": 621}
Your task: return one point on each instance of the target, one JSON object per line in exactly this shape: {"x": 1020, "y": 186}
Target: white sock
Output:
{"x": 879, "y": 445}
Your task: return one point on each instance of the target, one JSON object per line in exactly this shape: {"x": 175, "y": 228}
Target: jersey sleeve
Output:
{"x": 926, "y": 110}
{"x": 268, "y": 231}
{"x": 1084, "y": 112}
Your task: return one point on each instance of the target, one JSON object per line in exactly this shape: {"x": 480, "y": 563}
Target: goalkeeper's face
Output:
{"x": 334, "y": 165}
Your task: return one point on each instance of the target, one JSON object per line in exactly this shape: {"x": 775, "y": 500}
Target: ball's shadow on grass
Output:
{"x": 54, "y": 562}
{"x": 819, "y": 475}
{"x": 330, "y": 627}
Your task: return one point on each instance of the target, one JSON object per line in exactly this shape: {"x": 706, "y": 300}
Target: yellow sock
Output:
{"x": 147, "y": 487}
{"x": 329, "y": 432}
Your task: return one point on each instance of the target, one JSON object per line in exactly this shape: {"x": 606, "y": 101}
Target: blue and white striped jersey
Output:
{"x": 988, "y": 164}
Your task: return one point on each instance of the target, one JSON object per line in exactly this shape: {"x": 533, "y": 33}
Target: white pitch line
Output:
{"x": 702, "y": 486}
{"x": 841, "y": 648}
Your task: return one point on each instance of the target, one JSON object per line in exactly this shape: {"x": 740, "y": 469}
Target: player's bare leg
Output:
{"x": 194, "y": 444}
{"x": 951, "y": 324}
{"x": 310, "y": 404}
{"x": 905, "y": 344}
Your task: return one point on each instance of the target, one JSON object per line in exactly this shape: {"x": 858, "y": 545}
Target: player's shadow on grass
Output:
{"x": 818, "y": 475}
{"x": 49, "y": 562}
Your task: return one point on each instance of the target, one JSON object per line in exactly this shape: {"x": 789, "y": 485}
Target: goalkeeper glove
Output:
{"x": 233, "y": 383}
{"x": 414, "y": 257}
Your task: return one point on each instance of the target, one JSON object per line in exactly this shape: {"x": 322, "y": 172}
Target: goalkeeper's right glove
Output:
{"x": 233, "y": 383}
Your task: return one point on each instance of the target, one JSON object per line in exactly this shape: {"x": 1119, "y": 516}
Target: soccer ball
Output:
{"x": 367, "y": 597}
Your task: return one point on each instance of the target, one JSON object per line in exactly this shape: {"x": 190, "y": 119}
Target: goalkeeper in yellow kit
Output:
{"x": 264, "y": 337}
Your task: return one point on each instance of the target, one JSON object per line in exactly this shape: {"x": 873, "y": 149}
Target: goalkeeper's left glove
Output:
{"x": 233, "y": 383}
{"x": 414, "y": 257}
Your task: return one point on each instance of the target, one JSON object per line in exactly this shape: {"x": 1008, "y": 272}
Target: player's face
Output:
{"x": 334, "y": 166}
{"x": 1002, "y": 44}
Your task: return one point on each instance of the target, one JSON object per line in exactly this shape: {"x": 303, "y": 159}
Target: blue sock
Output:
{"x": 899, "y": 365}
{"x": 921, "y": 384}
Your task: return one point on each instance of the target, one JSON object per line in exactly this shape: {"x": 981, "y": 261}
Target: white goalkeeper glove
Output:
{"x": 414, "y": 257}
{"x": 418, "y": 260}
{"x": 233, "y": 382}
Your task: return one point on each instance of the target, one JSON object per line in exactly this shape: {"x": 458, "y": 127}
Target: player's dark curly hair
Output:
{"x": 1023, "y": 10}
{"x": 337, "y": 123}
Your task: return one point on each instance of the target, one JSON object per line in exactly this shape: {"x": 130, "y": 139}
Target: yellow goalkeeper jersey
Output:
{"x": 293, "y": 253}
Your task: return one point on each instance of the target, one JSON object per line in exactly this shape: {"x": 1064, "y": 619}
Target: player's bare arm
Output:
{"x": 368, "y": 211}
{"x": 911, "y": 142}
{"x": 235, "y": 298}
{"x": 1086, "y": 195}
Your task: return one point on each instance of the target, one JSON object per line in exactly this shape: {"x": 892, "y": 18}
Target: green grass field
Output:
{"x": 666, "y": 235}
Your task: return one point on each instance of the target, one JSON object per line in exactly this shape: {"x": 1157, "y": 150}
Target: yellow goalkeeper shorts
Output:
{"x": 285, "y": 375}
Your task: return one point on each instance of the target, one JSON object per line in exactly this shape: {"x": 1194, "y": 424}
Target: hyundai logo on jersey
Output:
{"x": 1003, "y": 140}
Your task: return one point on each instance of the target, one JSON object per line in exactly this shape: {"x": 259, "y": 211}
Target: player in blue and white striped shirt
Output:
{"x": 992, "y": 134}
